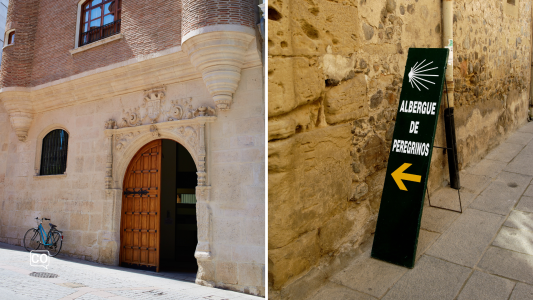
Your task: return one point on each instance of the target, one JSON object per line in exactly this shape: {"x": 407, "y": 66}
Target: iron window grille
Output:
{"x": 100, "y": 19}
{"x": 54, "y": 153}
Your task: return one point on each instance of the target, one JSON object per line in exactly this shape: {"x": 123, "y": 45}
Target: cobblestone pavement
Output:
{"x": 484, "y": 253}
{"x": 84, "y": 280}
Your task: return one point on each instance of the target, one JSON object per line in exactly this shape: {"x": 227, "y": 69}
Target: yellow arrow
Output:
{"x": 399, "y": 175}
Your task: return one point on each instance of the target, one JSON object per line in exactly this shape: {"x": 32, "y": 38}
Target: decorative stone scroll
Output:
{"x": 156, "y": 107}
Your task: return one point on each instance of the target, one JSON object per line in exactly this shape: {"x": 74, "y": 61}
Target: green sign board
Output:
{"x": 402, "y": 200}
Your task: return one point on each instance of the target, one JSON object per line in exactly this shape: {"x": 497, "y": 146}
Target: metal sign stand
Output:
{"x": 454, "y": 156}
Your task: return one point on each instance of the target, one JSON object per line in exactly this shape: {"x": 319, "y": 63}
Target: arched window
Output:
{"x": 54, "y": 153}
{"x": 11, "y": 38}
{"x": 99, "y": 19}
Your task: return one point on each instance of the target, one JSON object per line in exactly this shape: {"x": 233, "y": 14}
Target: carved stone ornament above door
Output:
{"x": 157, "y": 109}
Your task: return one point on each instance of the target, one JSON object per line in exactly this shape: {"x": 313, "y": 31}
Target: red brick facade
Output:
{"x": 197, "y": 14}
{"x": 46, "y": 31}
{"x": 17, "y": 59}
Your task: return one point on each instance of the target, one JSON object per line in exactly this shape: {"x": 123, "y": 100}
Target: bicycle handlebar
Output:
{"x": 46, "y": 219}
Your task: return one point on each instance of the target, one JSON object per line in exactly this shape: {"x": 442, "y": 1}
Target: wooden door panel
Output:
{"x": 141, "y": 211}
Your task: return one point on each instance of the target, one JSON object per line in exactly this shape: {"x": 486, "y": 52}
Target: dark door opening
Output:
{"x": 179, "y": 233}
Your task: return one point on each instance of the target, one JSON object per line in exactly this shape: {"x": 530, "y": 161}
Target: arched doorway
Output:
{"x": 158, "y": 223}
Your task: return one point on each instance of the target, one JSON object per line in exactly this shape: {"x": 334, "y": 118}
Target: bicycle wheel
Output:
{"x": 32, "y": 239}
{"x": 56, "y": 241}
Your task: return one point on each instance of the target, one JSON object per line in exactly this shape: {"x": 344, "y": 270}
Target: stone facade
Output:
{"x": 335, "y": 74}
{"x": 100, "y": 95}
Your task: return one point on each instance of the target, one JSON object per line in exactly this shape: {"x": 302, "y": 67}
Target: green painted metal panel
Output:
{"x": 398, "y": 224}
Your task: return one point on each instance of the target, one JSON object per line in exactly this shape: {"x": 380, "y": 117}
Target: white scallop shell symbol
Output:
{"x": 415, "y": 75}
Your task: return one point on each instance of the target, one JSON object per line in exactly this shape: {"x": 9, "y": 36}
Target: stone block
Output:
{"x": 522, "y": 291}
{"x": 485, "y": 286}
{"x": 292, "y": 82}
{"x": 505, "y": 152}
{"x": 347, "y": 101}
{"x": 370, "y": 276}
{"x": 226, "y": 272}
{"x": 466, "y": 239}
{"x": 249, "y": 254}
{"x": 425, "y": 240}
{"x": 520, "y": 138}
{"x": 79, "y": 221}
{"x": 487, "y": 167}
{"x": 206, "y": 270}
{"x": 332, "y": 291}
{"x": 515, "y": 239}
{"x": 95, "y": 221}
{"x": 303, "y": 118}
{"x": 292, "y": 259}
{"x": 525, "y": 203}
{"x": 431, "y": 278}
{"x": 508, "y": 264}
{"x": 312, "y": 175}
{"x": 522, "y": 163}
{"x": 251, "y": 274}
{"x": 502, "y": 194}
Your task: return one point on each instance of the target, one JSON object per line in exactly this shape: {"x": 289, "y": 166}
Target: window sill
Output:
{"x": 50, "y": 176}
{"x": 8, "y": 46}
{"x": 97, "y": 43}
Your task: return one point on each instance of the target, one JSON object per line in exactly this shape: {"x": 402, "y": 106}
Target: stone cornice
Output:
{"x": 135, "y": 75}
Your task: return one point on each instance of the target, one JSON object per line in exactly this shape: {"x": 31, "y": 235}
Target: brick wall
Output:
{"x": 148, "y": 27}
{"x": 197, "y": 14}
{"x": 17, "y": 59}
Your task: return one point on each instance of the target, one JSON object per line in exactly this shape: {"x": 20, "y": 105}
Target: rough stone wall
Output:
{"x": 200, "y": 13}
{"x": 77, "y": 202}
{"x": 491, "y": 73}
{"x": 335, "y": 75}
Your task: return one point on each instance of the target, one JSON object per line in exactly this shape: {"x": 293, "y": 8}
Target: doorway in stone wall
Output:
{"x": 179, "y": 233}
{"x": 158, "y": 221}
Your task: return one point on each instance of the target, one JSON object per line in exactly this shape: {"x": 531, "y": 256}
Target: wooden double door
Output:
{"x": 141, "y": 209}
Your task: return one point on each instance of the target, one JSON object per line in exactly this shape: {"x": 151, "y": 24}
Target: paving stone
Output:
{"x": 520, "y": 220}
{"x": 487, "y": 287}
{"x": 525, "y": 204}
{"x": 522, "y": 291}
{"x": 502, "y": 194}
{"x": 509, "y": 264}
{"x": 522, "y": 163}
{"x": 437, "y": 220}
{"x": 520, "y": 138}
{"x": 515, "y": 239}
{"x": 431, "y": 278}
{"x": 528, "y": 127}
{"x": 332, "y": 291}
{"x": 425, "y": 240}
{"x": 529, "y": 191}
{"x": 466, "y": 239}
{"x": 100, "y": 280}
{"x": 505, "y": 152}
{"x": 472, "y": 183}
{"x": 447, "y": 197}
{"x": 487, "y": 167}
{"x": 370, "y": 276}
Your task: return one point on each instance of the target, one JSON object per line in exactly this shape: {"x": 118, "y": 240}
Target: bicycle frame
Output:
{"x": 43, "y": 234}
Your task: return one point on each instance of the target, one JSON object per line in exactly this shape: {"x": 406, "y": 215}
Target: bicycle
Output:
{"x": 35, "y": 238}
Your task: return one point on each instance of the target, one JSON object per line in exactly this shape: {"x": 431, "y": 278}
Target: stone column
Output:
{"x": 206, "y": 267}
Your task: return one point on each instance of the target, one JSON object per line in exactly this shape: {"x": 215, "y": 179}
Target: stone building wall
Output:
{"x": 77, "y": 202}
{"x": 335, "y": 75}
{"x": 46, "y": 86}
